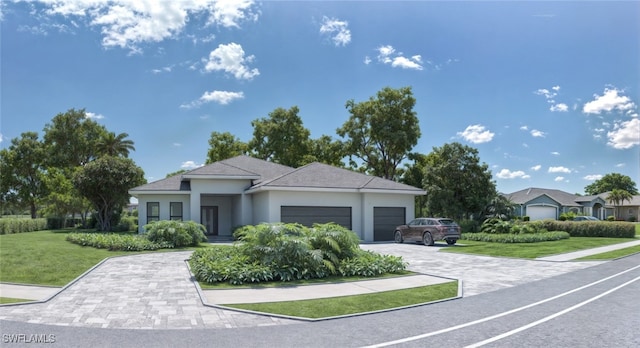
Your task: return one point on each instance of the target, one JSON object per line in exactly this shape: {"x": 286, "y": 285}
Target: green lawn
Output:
{"x": 46, "y": 258}
{"x": 336, "y": 306}
{"x": 614, "y": 254}
{"x": 6, "y": 300}
{"x": 532, "y": 250}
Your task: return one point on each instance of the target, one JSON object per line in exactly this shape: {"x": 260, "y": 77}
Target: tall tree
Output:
{"x": 381, "y": 131}
{"x": 610, "y": 182}
{"x": 414, "y": 175}
{"x": 617, "y": 198}
{"x": 106, "y": 182}
{"x": 22, "y": 177}
{"x": 281, "y": 138}
{"x": 326, "y": 150}
{"x": 457, "y": 184}
{"x": 224, "y": 145}
{"x": 110, "y": 144}
{"x": 71, "y": 139}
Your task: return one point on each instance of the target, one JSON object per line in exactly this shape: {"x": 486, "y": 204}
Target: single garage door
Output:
{"x": 385, "y": 220}
{"x": 541, "y": 212}
{"x": 309, "y": 215}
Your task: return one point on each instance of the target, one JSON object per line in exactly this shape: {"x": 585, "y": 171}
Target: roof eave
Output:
{"x": 224, "y": 177}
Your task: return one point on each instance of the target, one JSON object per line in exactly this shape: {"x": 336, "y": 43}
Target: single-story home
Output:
{"x": 245, "y": 191}
{"x": 539, "y": 204}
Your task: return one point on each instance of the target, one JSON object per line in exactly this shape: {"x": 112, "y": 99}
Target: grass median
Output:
{"x": 348, "y": 305}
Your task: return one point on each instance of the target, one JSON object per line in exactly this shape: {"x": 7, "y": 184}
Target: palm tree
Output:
{"x": 111, "y": 144}
{"x": 617, "y": 198}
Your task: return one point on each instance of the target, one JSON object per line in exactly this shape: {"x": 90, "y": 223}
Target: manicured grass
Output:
{"x": 345, "y": 305}
{"x": 614, "y": 254}
{"x": 5, "y": 300}
{"x": 532, "y": 250}
{"x": 335, "y": 279}
{"x": 46, "y": 258}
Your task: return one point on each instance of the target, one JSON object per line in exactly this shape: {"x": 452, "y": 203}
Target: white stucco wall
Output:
{"x": 164, "y": 201}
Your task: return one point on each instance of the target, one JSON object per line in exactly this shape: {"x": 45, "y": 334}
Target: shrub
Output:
{"x": 592, "y": 228}
{"x": 175, "y": 233}
{"x": 611, "y": 218}
{"x": 516, "y": 238}
{"x": 127, "y": 224}
{"x": 470, "y": 226}
{"x": 286, "y": 252}
{"x": 21, "y": 225}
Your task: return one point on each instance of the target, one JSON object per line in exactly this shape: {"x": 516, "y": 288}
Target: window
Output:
{"x": 153, "y": 211}
{"x": 175, "y": 210}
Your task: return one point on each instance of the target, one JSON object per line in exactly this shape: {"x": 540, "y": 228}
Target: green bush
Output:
{"x": 611, "y": 218}
{"x": 127, "y": 224}
{"x": 285, "y": 252}
{"x": 113, "y": 241}
{"x": 516, "y": 238}
{"x": 470, "y": 226}
{"x": 175, "y": 233}
{"x": 592, "y": 228}
{"x": 21, "y": 225}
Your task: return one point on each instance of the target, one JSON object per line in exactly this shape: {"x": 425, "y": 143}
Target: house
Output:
{"x": 245, "y": 191}
{"x": 539, "y": 204}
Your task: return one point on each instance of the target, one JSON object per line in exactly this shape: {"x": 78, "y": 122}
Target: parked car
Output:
{"x": 428, "y": 230}
{"x": 585, "y": 218}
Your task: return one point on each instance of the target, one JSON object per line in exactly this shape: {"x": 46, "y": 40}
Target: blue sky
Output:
{"x": 547, "y": 92}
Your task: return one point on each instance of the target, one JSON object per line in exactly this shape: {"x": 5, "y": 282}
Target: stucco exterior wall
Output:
{"x": 164, "y": 201}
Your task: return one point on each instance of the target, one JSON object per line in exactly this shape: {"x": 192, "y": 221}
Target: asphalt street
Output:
{"x": 591, "y": 307}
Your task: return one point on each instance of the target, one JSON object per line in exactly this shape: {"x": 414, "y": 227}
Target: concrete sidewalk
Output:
{"x": 306, "y": 292}
{"x": 588, "y": 252}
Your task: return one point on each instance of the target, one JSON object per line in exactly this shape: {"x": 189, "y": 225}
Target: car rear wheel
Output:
{"x": 451, "y": 241}
{"x": 427, "y": 239}
{"x": 398, "y": 237}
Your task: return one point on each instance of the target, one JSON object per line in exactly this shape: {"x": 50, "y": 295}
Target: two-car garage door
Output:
{"x": 385, "y": 219}
{"x": 541, "y": 212}
{"x": 307, "y": 216}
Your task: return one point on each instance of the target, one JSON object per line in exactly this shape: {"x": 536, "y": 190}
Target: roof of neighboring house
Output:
{"x": 320, "y": 175}
{"x": 267, "y": 175}
{"x": 529, "y": 194}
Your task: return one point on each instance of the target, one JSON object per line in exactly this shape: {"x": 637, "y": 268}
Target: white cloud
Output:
{"x": 559, "y": 169}
{"x": 93, "y": 116}
{"x": 555, "y": 88}
{"x": 338, "y": 30}
{"x": 507, "y": 174}
{"x": 367, "y": 60}
{"x": 387, "y": 55}
{"x": 546, "y": 93}
{"x": 190, "y": 165}
{"x": 162, "y": 70}
{"x": 559, "y": 178}
{"x": 536, "y": 167}
{"x": 476, "y": 134}
{"x": 220, "y": 97}
{"x": 230, "y": 58}
{"x": 127, "y": 23}
{"x": 524, "y": 128}
{"x": 625, "y": 135}
{"x": 620, "y": 165}
{"x": 610, "y": 100}
{"x": 555, "y": 153}
{"x": 537, "y": 133}
{"x": 593, "y": 177}
{"x": 562, "y": 107}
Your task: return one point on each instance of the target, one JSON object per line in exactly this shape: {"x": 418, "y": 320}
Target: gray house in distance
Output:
{"x": 540, "y": 204}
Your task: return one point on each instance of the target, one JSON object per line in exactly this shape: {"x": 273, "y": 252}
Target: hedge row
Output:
{"x": 113, "y": 242}
{"x": 20, "y": 225}
{"x": 515, "y": 238}
{"x": 592, "y": 228}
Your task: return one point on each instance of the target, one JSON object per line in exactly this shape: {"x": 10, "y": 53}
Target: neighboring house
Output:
{"x": 246, "y": 191}
{"x": 539, "y": 204}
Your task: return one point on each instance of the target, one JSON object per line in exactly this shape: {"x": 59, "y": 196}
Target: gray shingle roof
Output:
{"x": 271, "y": 175}
{"x": 319, "y": 175}
{"x": 528, "y": 194}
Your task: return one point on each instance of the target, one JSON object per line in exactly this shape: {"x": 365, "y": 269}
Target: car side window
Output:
{"x": 413, "y": 222}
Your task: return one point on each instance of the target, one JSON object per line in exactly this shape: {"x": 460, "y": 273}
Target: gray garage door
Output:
{"x": 309, "y": 215}
{"x": 385, "y": 220}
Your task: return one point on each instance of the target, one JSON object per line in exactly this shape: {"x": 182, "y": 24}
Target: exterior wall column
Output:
{"x": 195, "y": 207}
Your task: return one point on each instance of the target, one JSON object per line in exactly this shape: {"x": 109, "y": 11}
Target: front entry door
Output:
{"x": 209, "y": 218}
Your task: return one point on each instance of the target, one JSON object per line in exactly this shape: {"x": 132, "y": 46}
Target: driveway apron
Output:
{"x": 147, "y": 291}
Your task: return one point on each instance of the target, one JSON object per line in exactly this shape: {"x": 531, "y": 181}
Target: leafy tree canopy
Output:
{"x": 224, "y": 145}
{"x": 457, "y": 184}
{"x": 281, "y": 138}
{"x": 106, "y": 182}
{"x": 611, "y": 182}
{"x": 110, "y": 144}
{"x": 381, "y": 131}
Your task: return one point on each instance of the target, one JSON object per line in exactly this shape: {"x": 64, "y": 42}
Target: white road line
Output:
{"x": 495, "y": 316}
{"x": 543, "y": 320}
